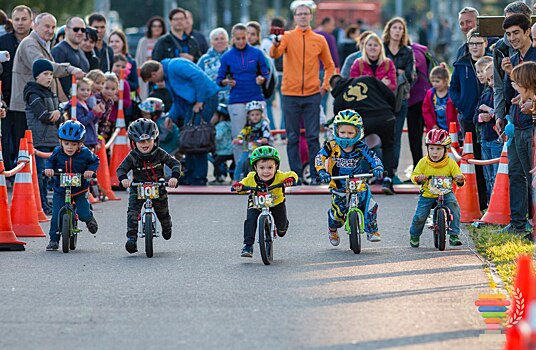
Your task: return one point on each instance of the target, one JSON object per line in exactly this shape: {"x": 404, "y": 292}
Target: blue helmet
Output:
{"x": 72, "y": 130}
{"x": 348, "y": 117}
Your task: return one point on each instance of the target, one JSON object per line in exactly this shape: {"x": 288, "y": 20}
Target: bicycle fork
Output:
{"x": 142, "y": 218}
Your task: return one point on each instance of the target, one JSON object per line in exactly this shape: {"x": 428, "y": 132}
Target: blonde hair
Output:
{"x": 111, "y": 77}
{"x": 483, "y": 62}
{"x": 86, "y": 81}
{"x": 95, "y": 75}
{"x": 375, "y": 37}
{"x": 386, "y": 36}
{"x": 440, "y": 72}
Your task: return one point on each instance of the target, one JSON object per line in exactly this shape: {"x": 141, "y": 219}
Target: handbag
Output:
{"x": 197, "y": 139}
{"x": 402, "y": 91}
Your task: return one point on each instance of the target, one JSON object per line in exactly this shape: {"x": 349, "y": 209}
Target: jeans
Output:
{"x": 82, "y": 209}
{"x": 400, "y": 120}
{"x": 242, "y": 167}
{"x": 238, "y": 114}
{"x": 296, "y": 109}
{"x": 490, "y": 150}
{"x": 385, "y": 129}
{"x": 424, "y": 205}
{"x": 270, "y": 101}
{"x": 43, "y": 181}
{"x": 519, "y": 165}
{"x": 279, "y": 212}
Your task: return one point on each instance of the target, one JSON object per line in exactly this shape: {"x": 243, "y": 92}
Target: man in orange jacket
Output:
{"x": 301, "y": 88}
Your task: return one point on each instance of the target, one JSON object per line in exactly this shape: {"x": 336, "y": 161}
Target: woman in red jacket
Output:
{"x": 375, "y": 63}
{"x": 438, "y": 110}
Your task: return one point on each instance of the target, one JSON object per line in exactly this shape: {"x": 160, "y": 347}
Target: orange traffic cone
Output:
{"x": 468, "y": 195}
{"x": 103, "y": 173}
{"x": 8, "y": 240}
{"x": 40, "y": 213}
{"x": 120, "y": 148}
{"x": 499, "y": 205}
{"x": 93, "y": 200}
{"x": 453, "y": 133}
{"x": 23, "y": 208}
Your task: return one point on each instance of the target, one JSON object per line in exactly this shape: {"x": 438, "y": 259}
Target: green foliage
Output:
{"x": 60, "y": 9}
{"x": 502, "y": 249}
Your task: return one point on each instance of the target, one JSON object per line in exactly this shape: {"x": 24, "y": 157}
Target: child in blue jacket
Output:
{"x": 71, "y": 157}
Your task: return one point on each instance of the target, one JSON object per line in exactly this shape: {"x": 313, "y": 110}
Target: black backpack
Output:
{"x": 268, "y": 87}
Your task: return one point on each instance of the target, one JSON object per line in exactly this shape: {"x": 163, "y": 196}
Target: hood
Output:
{"x": 340, "y": 87}
{"x": 33, "y": 87}
{"x": 213, "y": 53}
{"x": 417, "y": 46}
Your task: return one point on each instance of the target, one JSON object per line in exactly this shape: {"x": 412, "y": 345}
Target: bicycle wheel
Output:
{"x": 65, "y": 232}
{"x": 355, "y": 235}
{"x": 441, "y": 228}
{"x": 73, "y": 240}
{"x": 148, "y": 231}
{"x": 265, "y": 240}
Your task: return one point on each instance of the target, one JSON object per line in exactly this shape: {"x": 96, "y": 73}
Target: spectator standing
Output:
{"x": 239, "y": 70}
{"x": 14, "y": 122}
{"x": 118, "y": 42}
{"x": 177, "y": 43}
{"x": 302, "y": 51}
{"x": 326, "y": 28}
{"x": 396, "y": 44}
{"x": 211, "y": 61}
{"x": 465, "y": 89}
{"x": 102, "y": 51}
{"x": 188, "y": 29}
{"x": 349, "y": 45}
{"x": 88, "y": 47}
{"x": 156, "y": 27}
{"x": 69, "y": 50}
{"x": 349, "y": 61}
{"x": 467, "y": 18}
{"x": 193, "y": 92}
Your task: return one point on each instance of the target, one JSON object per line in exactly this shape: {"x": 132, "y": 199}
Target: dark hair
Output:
{"x": 517, "y": 20}
{"x": 6, "y": 22}
{"x": 278, "y": 22}
{"x": 123, "y": 38}
{"x": 148, "y": 68}
{"x": 524, "y": 75}
{"x": 91, "y": 34}
{"x": 326, "y": 20}
{"x": 96, "y": 17}
{"x": 150, "y": 22}
{"x": 120, "y": 57}
{"x": 257, "y": 26}
{"x": 238, "y": 26}
{"x": 175, "y": 11}
{"x": 440, "y": 72}
{"x": 518, "y": 7}
{"x": 351, "y": 30}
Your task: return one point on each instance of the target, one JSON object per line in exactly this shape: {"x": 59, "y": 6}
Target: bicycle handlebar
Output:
{"x": 350, "y": 176}
{"x": 59, "y": 174}
{"x": 161, "y": 183}
{"x": 259, "y": 189}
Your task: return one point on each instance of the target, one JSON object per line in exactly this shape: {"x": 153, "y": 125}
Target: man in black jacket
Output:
{"x": 103, "y": 51}
{"x": 15, "y": 122}
{"x": 177, "y": 43}
{"x": 375, "y": 102}
{"x": 190, "y": 31}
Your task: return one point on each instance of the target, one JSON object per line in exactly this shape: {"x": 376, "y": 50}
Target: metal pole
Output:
{"x": 399, "y": 5}
{"x": 244, "y": 11}
{"x": 227, "y": 14}
{"x": 277, "y": 7}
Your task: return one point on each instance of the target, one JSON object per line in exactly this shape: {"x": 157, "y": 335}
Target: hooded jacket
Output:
{"x": 165, "y": 47}
{"x": 210, "y": 64}
{"x": 40, "y": 103}
{"x": 485, "y": 128}
{"x": 429, "y": 115}
{"x": 502, "y": 49}
{"x": 422, "y": 83}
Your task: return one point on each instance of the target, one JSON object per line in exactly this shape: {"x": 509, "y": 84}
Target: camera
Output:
{"x": 276, "y": 33}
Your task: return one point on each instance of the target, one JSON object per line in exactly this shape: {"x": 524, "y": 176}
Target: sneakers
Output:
{"x": 92, "y": 225}
{"x": 387, "y": 186}
{"x": 454, "y": 240}
{"x": 511, "y": 229}
{"x": 52, "y": 245}
{"x": 131, "y": 246}
{"x": 334, "y": 238}
{"x": 218, "y": 181}
{"x": 414, "y": 241}
{"x": 373, "y": 236}
{"x": 247, "y": 251}
{"x": 396, "y": 180}
{"x": 166, "y": 233}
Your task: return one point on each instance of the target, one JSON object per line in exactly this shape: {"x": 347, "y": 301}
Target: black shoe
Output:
{"x": 131, "y": 246}
{"x": 92, "y": 225}
{"x": 387, "y": 186}
{"x": 47, "y": 210}
{"x": 247, "y": 251}
{"x": 166, "y": 233}
{"x": 52, "y": 245}
{"x": 315, "y": 182}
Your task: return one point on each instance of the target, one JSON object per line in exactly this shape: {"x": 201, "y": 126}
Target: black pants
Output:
{"x": 13, "y": 128}
{"x": 415, "y": 130}
{"x": 386, "y": 131}
{"x": 279, "y": 212}
{"x": 218, "y": 161}
{"x": 468, "y": 126}
{"x": 134, "y": 208}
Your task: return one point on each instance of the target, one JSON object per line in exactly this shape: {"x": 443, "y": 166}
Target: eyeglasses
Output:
{"x": 78, "y": 29}
{"x": 478, "y": 44}
{"x": 302, "y": 14}
{"x": 156, "y": 26}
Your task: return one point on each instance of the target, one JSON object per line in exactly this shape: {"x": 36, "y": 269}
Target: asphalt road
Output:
{"x": 198, "y": 293}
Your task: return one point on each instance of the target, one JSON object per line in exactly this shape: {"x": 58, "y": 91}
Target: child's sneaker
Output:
{"x": 53, "y": 245}
{"x": 414, "y": 241}
{"x": 334, "y": 238}
{"x": 373, "y": 236}
{"x": 454, "y": 240}
{"x": 166, "y": 233}
{"x": 92, "y": 225}
{"x": 131, "y": 246}
{"x": 247, "y": 251}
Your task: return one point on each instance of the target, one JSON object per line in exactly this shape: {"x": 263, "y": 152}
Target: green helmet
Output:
{"x": 264, "y": 152}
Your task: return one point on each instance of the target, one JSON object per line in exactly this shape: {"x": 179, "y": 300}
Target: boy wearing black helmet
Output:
{"x": 71, "y": 157}
{"x": 146, "y": 160}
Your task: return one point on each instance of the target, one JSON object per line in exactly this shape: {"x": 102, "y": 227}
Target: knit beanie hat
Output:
{"x": 40, "y": 66}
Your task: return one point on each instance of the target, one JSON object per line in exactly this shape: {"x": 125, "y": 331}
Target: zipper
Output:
{"x": 303, "y": 66}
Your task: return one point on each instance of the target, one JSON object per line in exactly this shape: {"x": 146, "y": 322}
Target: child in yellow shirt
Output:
{"x": 436, "y": 163}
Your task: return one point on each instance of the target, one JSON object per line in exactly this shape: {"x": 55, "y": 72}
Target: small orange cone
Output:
{"x": 23, "y": 208}
{"x": 103, "y": 173}
{"x": 93, "y": 200}
{"x": 453, "y": 133}
{"x": 8, "y": 240}
{"x": 40, "y": 213}
{"x": 121, "y": 147}
{"x": 499, "y": 205}
{"x": 468, "y": 195}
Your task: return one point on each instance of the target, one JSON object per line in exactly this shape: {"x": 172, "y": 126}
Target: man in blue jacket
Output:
{"x": 193, "y": 92}
{"x": 517, "y": 28}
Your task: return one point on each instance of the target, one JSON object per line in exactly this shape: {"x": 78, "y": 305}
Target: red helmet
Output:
{"x": 438, "y": 137}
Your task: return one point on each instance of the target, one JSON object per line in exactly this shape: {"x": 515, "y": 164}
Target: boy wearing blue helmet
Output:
{"x": 345, "y": 154}
{"x": 71, "y": 157}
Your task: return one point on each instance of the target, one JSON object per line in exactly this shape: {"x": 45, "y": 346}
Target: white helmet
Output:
{"x": 254, "y": 106}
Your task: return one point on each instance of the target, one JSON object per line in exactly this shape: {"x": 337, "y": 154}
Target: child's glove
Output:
{"x": 288, "y": 182}
{"x": 420, "y": 179}
{"x": 460, "y": 180}
{"x": 324, "y": 176}
{"x": 378, "y": 172}
{"x": 237, "y": 186}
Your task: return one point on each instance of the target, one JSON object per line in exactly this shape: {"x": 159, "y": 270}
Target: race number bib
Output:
{"x": 148, "y": 191}
{"x": 70, "y": 180}
{"x": 263, "y": 200}
{"x": 356, "y": 185}
{"x": 441, "y": 182}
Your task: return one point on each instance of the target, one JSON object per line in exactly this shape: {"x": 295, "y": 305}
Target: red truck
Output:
{"x": 351, "y": 11}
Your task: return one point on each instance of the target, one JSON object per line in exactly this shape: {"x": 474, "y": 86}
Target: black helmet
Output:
{"x": 222, "y": 109}
{"x": 143, "y": 129}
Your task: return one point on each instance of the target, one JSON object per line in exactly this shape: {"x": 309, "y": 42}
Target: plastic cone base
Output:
{"x": 12, "y": 247}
